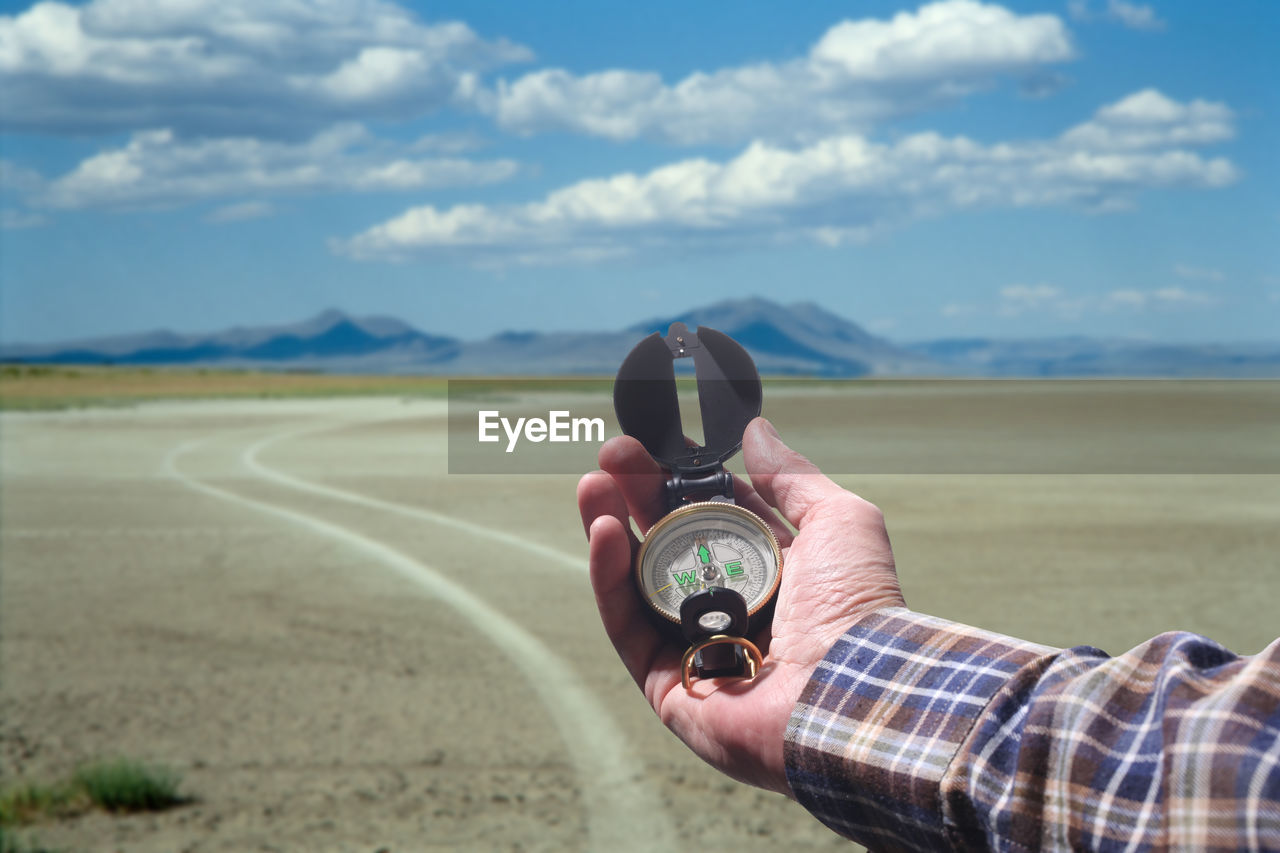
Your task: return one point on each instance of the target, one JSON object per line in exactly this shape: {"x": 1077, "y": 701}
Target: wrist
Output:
{"x": 868, "y": 744}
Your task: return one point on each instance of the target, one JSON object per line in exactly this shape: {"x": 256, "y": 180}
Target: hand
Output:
{"x": 838, "y": 566}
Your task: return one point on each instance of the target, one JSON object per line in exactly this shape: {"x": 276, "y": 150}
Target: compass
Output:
{"x": 708, "y": 544}
{"x": 709, "y": 569}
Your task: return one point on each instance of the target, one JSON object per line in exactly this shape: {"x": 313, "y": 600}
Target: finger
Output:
{"x": 636, "y": 641}
{"x": 785, "y": 478}
{"x": 638, "y": 476}
{"x": 599, "y": 495}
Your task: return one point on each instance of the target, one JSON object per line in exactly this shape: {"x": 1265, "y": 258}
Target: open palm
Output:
{"x": 836, "y": 566}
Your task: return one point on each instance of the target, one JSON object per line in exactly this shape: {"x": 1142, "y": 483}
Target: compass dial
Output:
{"x": 708, "y": 544}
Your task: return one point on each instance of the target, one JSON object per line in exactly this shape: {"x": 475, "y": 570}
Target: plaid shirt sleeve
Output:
{"x": 916, "y": 733}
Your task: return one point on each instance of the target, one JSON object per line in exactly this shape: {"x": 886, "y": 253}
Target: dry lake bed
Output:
{"x": 341, "y": 646}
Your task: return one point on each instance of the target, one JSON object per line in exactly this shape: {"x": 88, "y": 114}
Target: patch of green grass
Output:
{"x": 122, "y": 785}
{"x": 46, "y": 387}
{"x": 10, "y": 843}
{"x": 117, "y": 785}
{"x": 26, "y": 802}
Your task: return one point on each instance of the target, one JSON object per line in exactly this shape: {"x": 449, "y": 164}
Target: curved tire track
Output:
{"x": 250, "y": 460}
{"x": 622, "y": 812}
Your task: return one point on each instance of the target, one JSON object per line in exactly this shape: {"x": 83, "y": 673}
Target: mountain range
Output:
{"x": 799, "y": 339}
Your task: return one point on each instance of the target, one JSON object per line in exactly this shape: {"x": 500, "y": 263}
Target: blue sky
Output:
{"x": 947, "y": 169}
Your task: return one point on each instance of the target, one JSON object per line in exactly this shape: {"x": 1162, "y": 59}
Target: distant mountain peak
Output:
{"x": 320, "y": 323}
{"x": 803, "y": 335}
{"x": 802, "y": 338}
{"x": 330, "y": 316}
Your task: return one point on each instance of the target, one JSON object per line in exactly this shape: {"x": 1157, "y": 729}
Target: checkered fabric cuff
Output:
{"x": 883, "y": 716}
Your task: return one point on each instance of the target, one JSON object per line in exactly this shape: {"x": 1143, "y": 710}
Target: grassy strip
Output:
{"x": 41, "y": 387}
{"x": 10, "y": 843}
{"x": 27, "y": 803}
{"x": 26, "y": 387}
{"x": 128, "y": 786}
{"x": 118, "y": 785}
{"x": 33, "y": 387}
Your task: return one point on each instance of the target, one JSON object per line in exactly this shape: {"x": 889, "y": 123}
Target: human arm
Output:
{"x": 912, "y": 732}
{"x": 919, "y": 733}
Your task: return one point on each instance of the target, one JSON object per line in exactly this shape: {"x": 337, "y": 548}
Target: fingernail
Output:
{"x": 768, "y": 425}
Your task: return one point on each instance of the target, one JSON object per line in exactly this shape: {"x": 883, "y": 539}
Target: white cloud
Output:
{"x": 1019, "y": 299}
{"x": 447, "y": 143}
{"x": 857, "y": 73}
{"x": 1164, "y": 297}
{"x": 156, "y": 168}
{"x": 1023, "y": 298}
{"x": 1180, "y": 296}
{"x": 1150, "y": 119}
{"x": 1125, "y": 299}
{"x": 839, "y": 189}
{"x": 1198, "y": 273}
{"x": 1050, "y": 300}
{"x": 1135, "y": 16}
{"x": 240, "y": 212}
{"x": 950, "y": 39}
{"x": 11, "y": 219}
{"x": 232, "y": 67}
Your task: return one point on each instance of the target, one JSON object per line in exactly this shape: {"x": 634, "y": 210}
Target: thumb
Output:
{"x": 783, "y": 477}
{"x": 840, "y": 564}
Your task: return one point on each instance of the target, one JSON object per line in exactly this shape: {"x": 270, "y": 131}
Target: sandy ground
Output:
{"x": 342, "y": 647}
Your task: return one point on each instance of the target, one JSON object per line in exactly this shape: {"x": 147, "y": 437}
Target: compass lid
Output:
{"x": 648, "y": 409}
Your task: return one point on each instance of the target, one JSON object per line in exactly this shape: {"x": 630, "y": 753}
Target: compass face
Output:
{"x": 708, "y": 544}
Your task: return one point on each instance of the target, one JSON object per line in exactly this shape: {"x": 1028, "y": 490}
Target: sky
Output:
{"x": 947, "y": 169}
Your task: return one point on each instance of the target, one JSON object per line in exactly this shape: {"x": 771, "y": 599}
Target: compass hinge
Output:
{"x": 684, "y": 487}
